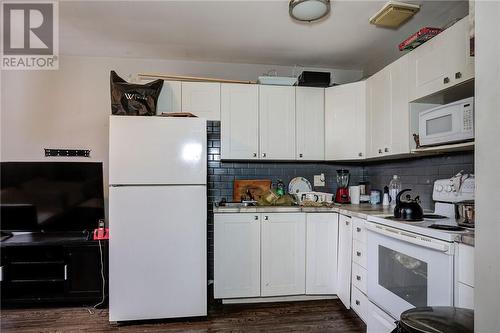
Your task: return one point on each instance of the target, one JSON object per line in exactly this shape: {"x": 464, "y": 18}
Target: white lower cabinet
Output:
{"x": 464, "y": 288}
{"x": 344, "y": 260}
{"x": 237, "y": 255}
{"x": 321, "y": 253}
{"x": 377, "y": 321}
{"x": 283, "y": 254}
{"x": 264, "y": 254}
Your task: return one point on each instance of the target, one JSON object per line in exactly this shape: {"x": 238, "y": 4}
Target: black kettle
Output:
{"x": 408, "y": 210}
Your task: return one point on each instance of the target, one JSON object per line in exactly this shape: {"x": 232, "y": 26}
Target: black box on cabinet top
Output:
{"x": 314, "y": 79}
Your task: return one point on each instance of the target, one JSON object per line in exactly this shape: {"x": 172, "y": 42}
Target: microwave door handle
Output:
{"x": 409, "y": 238}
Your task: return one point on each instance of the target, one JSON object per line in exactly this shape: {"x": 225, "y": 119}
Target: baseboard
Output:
{"x": 277, "y": 299}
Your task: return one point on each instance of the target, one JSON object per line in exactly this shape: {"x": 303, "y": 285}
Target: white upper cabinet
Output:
{"x": 201, "y": 99}
{"x": 344, "y": 260}
{"x": 277, "y": 122}
{"x": 388, "y": 110}
{"x": 321, "y": 253}
{"x": 283, "y": 254}
{"x": 236, "y": 255}
{"x": 310, "y": 123}
{"x": 239, "y": 121}
{"x": 345, "y": 122}
{"x": 441, "y": 62}
{"x": 170, "y": 97}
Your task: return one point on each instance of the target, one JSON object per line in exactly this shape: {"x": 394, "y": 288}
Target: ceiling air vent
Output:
{"x": 394, "y": 14}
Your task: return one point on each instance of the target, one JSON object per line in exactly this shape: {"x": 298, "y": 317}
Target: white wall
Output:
{"x": 69, "y": 108}
{"x": 487, "y": 106}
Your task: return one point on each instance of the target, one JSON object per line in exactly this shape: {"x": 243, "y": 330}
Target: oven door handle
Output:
{"x": 410, "y": 238}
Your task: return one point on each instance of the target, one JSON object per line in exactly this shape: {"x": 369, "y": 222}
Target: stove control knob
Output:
{"x": 448, "y": 188}
{"x": 439, "y": 188}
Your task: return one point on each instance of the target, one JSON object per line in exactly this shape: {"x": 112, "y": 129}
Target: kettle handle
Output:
{"x": 398, "y": 197}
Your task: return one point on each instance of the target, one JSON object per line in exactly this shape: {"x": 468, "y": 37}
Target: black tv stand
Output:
{"x": 52, "y": 268}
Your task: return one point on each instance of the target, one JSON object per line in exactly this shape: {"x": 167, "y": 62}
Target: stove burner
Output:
{"x": 404, "y": 220}
{"x": 434, "y": 216}
{"x": 446, "y": 227}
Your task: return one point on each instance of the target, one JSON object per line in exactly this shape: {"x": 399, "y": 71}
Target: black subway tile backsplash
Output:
{"x": 418, "y": 174}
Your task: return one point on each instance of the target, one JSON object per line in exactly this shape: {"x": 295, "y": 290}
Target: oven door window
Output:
{"x": 403, "y": 275}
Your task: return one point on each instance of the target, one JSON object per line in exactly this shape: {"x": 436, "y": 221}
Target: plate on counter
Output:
{"x": 299, "y": 184}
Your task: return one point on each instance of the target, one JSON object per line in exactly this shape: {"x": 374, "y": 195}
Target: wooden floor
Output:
{"x": 310, "y": 316}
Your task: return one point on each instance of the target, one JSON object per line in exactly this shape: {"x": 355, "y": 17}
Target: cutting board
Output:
{"x": 257, "y": 188}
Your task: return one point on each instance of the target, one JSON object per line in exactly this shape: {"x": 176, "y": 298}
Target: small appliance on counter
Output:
{"x": 443, "y": 319}
{"x": 450, "y": 123}
{"x": 342, "y": 194}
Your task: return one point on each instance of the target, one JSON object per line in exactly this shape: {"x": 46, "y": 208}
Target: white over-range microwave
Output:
{"x": 448, "y": 123}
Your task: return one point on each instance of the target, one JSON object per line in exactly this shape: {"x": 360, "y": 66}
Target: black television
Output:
{"x": 51, "y": 196}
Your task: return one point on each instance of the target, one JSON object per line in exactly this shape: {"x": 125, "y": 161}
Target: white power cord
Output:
{"x": 103, "y": 282}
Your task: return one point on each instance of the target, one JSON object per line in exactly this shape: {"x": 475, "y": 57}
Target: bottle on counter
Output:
{"x": 386, "y": 200}
{"x": 394, "y": 188}
{"x": 280, "y": 188}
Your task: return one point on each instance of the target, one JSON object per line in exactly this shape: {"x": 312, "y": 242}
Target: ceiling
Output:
{"x": 258, "y": 32}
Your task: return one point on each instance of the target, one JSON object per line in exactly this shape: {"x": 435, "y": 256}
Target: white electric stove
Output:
{"x": 411, "y": 264}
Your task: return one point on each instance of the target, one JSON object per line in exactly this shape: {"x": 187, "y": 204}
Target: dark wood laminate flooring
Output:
{"x": 310, "y": 316}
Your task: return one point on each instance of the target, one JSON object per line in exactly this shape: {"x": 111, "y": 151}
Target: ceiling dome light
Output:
{"x": 308, "y": 10}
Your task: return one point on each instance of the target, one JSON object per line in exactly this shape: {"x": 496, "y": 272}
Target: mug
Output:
{"x": 354, "y": 193}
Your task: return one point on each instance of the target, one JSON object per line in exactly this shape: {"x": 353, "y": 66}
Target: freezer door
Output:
{"x": 157, "y": 150}
{"x": 157, "y": 252}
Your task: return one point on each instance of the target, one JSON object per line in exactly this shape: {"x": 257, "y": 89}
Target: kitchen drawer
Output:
{"x": 378, "y": 321}
{"x": 359, "y": 253}
{"x": 359, "y": 231}
{"x": 466, "y": 264}
{"x": 465, "y": 297}
{"x": 359, "y": 277}
{"x": 359, "y": 304}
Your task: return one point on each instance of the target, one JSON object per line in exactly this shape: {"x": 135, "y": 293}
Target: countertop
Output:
{"x": 361, "y": 211}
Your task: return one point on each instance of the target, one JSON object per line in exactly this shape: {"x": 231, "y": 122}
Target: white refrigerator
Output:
{"x": 157, "y": 218}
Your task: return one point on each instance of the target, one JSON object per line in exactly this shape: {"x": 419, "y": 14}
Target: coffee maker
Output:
{"x": 342, "y": 194}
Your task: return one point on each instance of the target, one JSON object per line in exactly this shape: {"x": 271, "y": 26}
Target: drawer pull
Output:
{"x": 266, "y": 217}
{"x": 256, "y": 217}
{"x": 358, "y": 229}
{"x": 300, "y": 155}
{"x": 358, "y": 302}
{"x": 380, "y": 151}
{"x": 254, "y": 154}
{"x": 358, "y": 253}
{"x": 386, "y": 150}
{"x": 263, "y": 154}
{"x": 358, "y": 277}
{"x": 458, "y": 75}
{"x": 346, "y": 222}
{"x": 360, "y": 154}
{"x": 446, "y": 80}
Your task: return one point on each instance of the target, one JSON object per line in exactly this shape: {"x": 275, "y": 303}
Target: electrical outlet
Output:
{"x": 319, "y": 180}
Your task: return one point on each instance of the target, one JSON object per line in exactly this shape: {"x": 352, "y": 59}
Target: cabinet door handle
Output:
{"x": 300, "y": 155}
{"x": 380, "y": 151}
{"x": 458, "y": 75}
{"x": 358, "y": 277}
{"x": 358, "y": 302}
{"x": 256, "y": 218}
{"x": 346, "y": 222}
{"x": 1, "y": 273}
{"x": 254, "y": 154}
{"x": 358, "y": 229}
{"x": 360, "y": 154}
{"x": 386, "y": 150}
{"x": 266, "y": 218}
{"x": 263, "y": 154}
{"x": 358, "y": 253}
{"x": 65, "y": 272}
{"x": 446, "y": 80}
